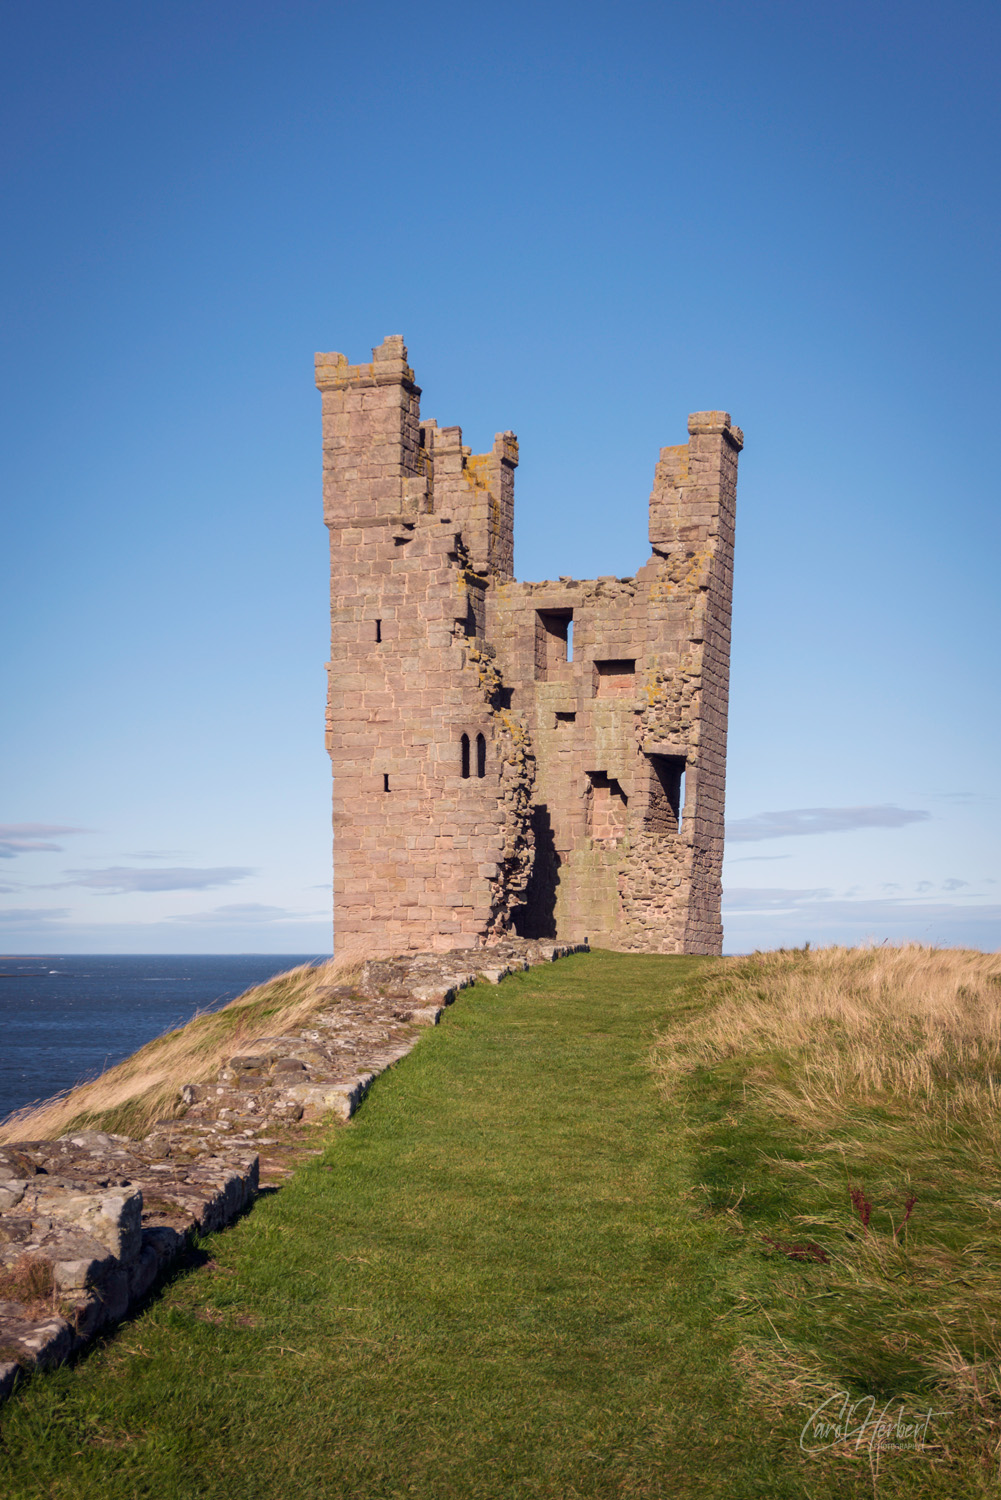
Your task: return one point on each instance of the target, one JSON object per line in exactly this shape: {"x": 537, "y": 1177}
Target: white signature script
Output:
{"x": 840, "y": 1420}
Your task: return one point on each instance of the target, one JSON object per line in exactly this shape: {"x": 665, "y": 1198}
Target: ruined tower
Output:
{"x": 540, "y": 758}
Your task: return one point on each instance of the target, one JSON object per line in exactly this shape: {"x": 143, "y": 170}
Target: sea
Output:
{"x": 64, "y": 1019}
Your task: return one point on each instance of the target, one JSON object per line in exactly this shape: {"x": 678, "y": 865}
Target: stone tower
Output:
{"x": 540, "y": 758}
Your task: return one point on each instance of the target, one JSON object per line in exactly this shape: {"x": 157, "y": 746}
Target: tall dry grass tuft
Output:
{"x": 850, "y": 1096}
{"x": 131, "y": 1096}
{"x": 862, "y": 1025}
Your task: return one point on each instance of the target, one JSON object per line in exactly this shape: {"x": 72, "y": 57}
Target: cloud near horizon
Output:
{"x": 152, "y": 853}
{"x": 119, "y": 880}
{"x": 821, "y": 901}
{"x": 245, "y": 912}
{"x": 774, "y": 917}
{"x": 794, "y": 821}
{"x": 26, "y": 838}
{"x": 33, "y": 914}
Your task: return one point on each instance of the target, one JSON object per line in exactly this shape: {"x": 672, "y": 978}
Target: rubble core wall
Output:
{"x": 512, "y": 757}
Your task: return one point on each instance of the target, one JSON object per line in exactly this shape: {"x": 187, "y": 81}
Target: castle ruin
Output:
{"x": 545, "y": 759}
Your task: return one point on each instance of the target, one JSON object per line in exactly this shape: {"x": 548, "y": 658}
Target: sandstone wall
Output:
{"x": 547, "y": 758}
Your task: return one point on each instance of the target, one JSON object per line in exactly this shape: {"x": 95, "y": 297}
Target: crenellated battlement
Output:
{"x": 384, "y": 465}
{"x": 388, "y": 366}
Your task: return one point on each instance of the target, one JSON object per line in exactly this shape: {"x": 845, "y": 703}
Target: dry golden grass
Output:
{"x": 921, "y": 1025}
{"x": 29, "y": 1281}
{"x": 144, "y": 1088}
{"x": 846, "y": 1101}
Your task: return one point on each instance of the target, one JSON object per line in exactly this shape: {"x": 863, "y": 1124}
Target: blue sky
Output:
{"x": 587, "y": 220}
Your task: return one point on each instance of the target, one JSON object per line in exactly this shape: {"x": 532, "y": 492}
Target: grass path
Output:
{"x": 493, "y": 1284}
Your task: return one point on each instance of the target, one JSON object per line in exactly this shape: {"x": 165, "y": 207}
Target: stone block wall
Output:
{"x": 539, "y": 758}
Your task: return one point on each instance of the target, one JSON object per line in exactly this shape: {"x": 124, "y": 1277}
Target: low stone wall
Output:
{"x": 90, "y": 1222}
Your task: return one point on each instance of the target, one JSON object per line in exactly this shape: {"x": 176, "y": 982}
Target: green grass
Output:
{"x": 503, "y": 1279}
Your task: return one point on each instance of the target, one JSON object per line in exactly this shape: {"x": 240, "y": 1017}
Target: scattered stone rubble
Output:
{"x": 91, "y": 1221}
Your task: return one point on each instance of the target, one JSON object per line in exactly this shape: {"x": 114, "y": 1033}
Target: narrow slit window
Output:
{"x": 464, "y": 746}
{"x": 481, "y": 755}
{"x": 378, "y": 631}
{"x": 570, "y": 640}
{"x": 385, "y": 781}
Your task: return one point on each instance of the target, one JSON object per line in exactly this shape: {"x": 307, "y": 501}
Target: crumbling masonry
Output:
{"x": 546, "y": 759}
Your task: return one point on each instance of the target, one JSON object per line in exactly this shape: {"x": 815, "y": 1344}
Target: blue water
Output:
{"x": 64, "y": 1019}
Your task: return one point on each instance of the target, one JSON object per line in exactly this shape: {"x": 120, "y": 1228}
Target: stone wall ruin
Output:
{"x": 544, "y": 759}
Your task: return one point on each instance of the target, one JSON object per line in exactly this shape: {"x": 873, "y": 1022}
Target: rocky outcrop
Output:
{"x": 90, "y": 1222}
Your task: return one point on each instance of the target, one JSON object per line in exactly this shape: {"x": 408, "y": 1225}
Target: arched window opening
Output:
{"x": 481, "y": 755}
{"x": 464, "y": 743}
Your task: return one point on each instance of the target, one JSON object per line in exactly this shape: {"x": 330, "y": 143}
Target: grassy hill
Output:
{"x": 623, "y": 1226}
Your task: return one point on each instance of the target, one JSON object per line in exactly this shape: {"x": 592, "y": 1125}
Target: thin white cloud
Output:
{"x": 249, "y": 913}
{"x": 751, "y": 859}
{"x": 770, "y": 898}
{"x": 30, "y": 838}
{"x": 118, "y": 880}
{"x": 153, "y": 853}
{"x": 31, "y": 916}
{"x": 37, "y": 830}
{"x": 824, "y": 903}
{"x": 798, "y": 821}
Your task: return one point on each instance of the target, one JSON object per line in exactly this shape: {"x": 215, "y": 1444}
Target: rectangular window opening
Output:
{"x": 385, "y": 781}
{"x": 553, "y": 640}
{"x": 606, "y": 809}
{"x": 378, "y": 631}
{"x": 666, "y": 799}
{"x": 564, "y": 720}
{"x": 615, "y": 678}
